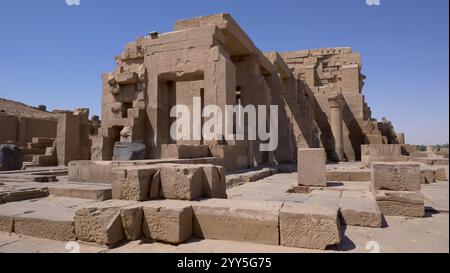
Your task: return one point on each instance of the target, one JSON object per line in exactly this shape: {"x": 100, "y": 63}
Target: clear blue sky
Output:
{"x": 54, "y": 54}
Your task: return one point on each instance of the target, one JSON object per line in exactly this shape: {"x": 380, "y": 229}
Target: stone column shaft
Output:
{"x": 336, "y": 124}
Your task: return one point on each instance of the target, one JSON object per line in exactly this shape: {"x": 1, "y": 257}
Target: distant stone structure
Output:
{"x": 41, "y": 134}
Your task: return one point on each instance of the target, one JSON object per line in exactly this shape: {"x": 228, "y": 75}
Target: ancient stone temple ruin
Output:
{"x": 334, "y": 165}
{"x": 319, "y": 94}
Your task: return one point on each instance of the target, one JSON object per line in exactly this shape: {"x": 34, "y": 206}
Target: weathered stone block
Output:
{"x": 214, "y": 182}
{"x": 401, "y": 203}
{"x": 360, "y": 176}
{"x": 49, "y": 226}
{"x": 309, "y": 226}
{"x": 11, "y": 157}
{"x": 426, "y": 176}
{"x": 6, "y": 223}
{"x": 132, "y": 219}
{"x": 237, "y": 220}
{"x": 101, "y": 223}
{"x": 396, "y": 176}
{"x": 380, "y": 153}
{"x": 124, "y": 151}
{"x": 133, "y": 183}
{"x": 360, "y": 209}
{"x": 311, "y": 167}
{"x": 182, "y": 182}
{"x": 440, "y": 174}
{"x": 155, "y": 186}
{"x": 168, "y": 221}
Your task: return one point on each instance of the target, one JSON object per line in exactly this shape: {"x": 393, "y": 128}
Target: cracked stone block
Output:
{"x": 309, "y": 226}
{"x": 81, "y": 191}
{"x": 124, "y": 151}
{"x": 132, "y": 219}
{"x": 49, "y": 218}
{"x": 401, "y": 203}
{"x": 440, "y": 174}
{"x": 237, "y": 220}
{"x": 168, "y": 221}
{"x": 360, "y": 209}
{"x": 133, "y": 183}
{"x": 101, "y": 223}
{"x": 396, "y": 176}
{"x": 155, "y": 186}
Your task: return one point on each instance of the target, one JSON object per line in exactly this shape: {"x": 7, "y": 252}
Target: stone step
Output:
{"x": 97, "y": 192}
{"x": 431, "y": 161}
{"x": 50, "y": 218}
{"x": 33, "y": 151}
{"x": 27, "y": 178}
{"x": 309, "y": 226}
{"x": 349, "y": 175}
{"x": 237, "y": 220}
{"x": 43, "y": 140}
{"x": 14, "y": 195}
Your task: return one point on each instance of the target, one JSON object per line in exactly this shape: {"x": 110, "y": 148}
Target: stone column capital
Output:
{"x": 335, "y": 101}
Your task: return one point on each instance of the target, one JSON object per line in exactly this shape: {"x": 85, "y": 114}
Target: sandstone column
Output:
{"x": 337, "y": 126}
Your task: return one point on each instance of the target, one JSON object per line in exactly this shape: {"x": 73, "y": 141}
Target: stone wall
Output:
{"x": 327, "y": 72}
{"x": 21, "y": 130}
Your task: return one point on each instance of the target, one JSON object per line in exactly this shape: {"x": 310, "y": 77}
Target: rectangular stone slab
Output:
{"x": 396, "y": 176}
{"x": 311, "y": 167}
{"x": 309, "y": 226}
{"x": 132, "y": 219}
{"x": 360, "y": 209}
{"x": 132, "y": 183}
{"x": 395, "y": 203}
{"x": 50, "y": 218}
{"x": 237, "y": 220}
{"x": 101, "y": 222}
{"x": 96, "y": 192}
{"x": 168, "y": 221}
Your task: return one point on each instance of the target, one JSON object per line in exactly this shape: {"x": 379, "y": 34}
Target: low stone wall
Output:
{"x": 381, "y": 153}
{"x": 21, "y": 130}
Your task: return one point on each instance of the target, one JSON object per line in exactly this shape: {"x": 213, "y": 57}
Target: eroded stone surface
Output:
{"x": 168, "y": 221}
{"x": 237, "y": 220}
{"x": 308, "y": 226}
{"x": 134, "y": 183}
{"x": 401, "y": 203}
{"x": 396, "y": 176}
{"x": 101, "y": 222}
{"x": 360, "y": 209}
